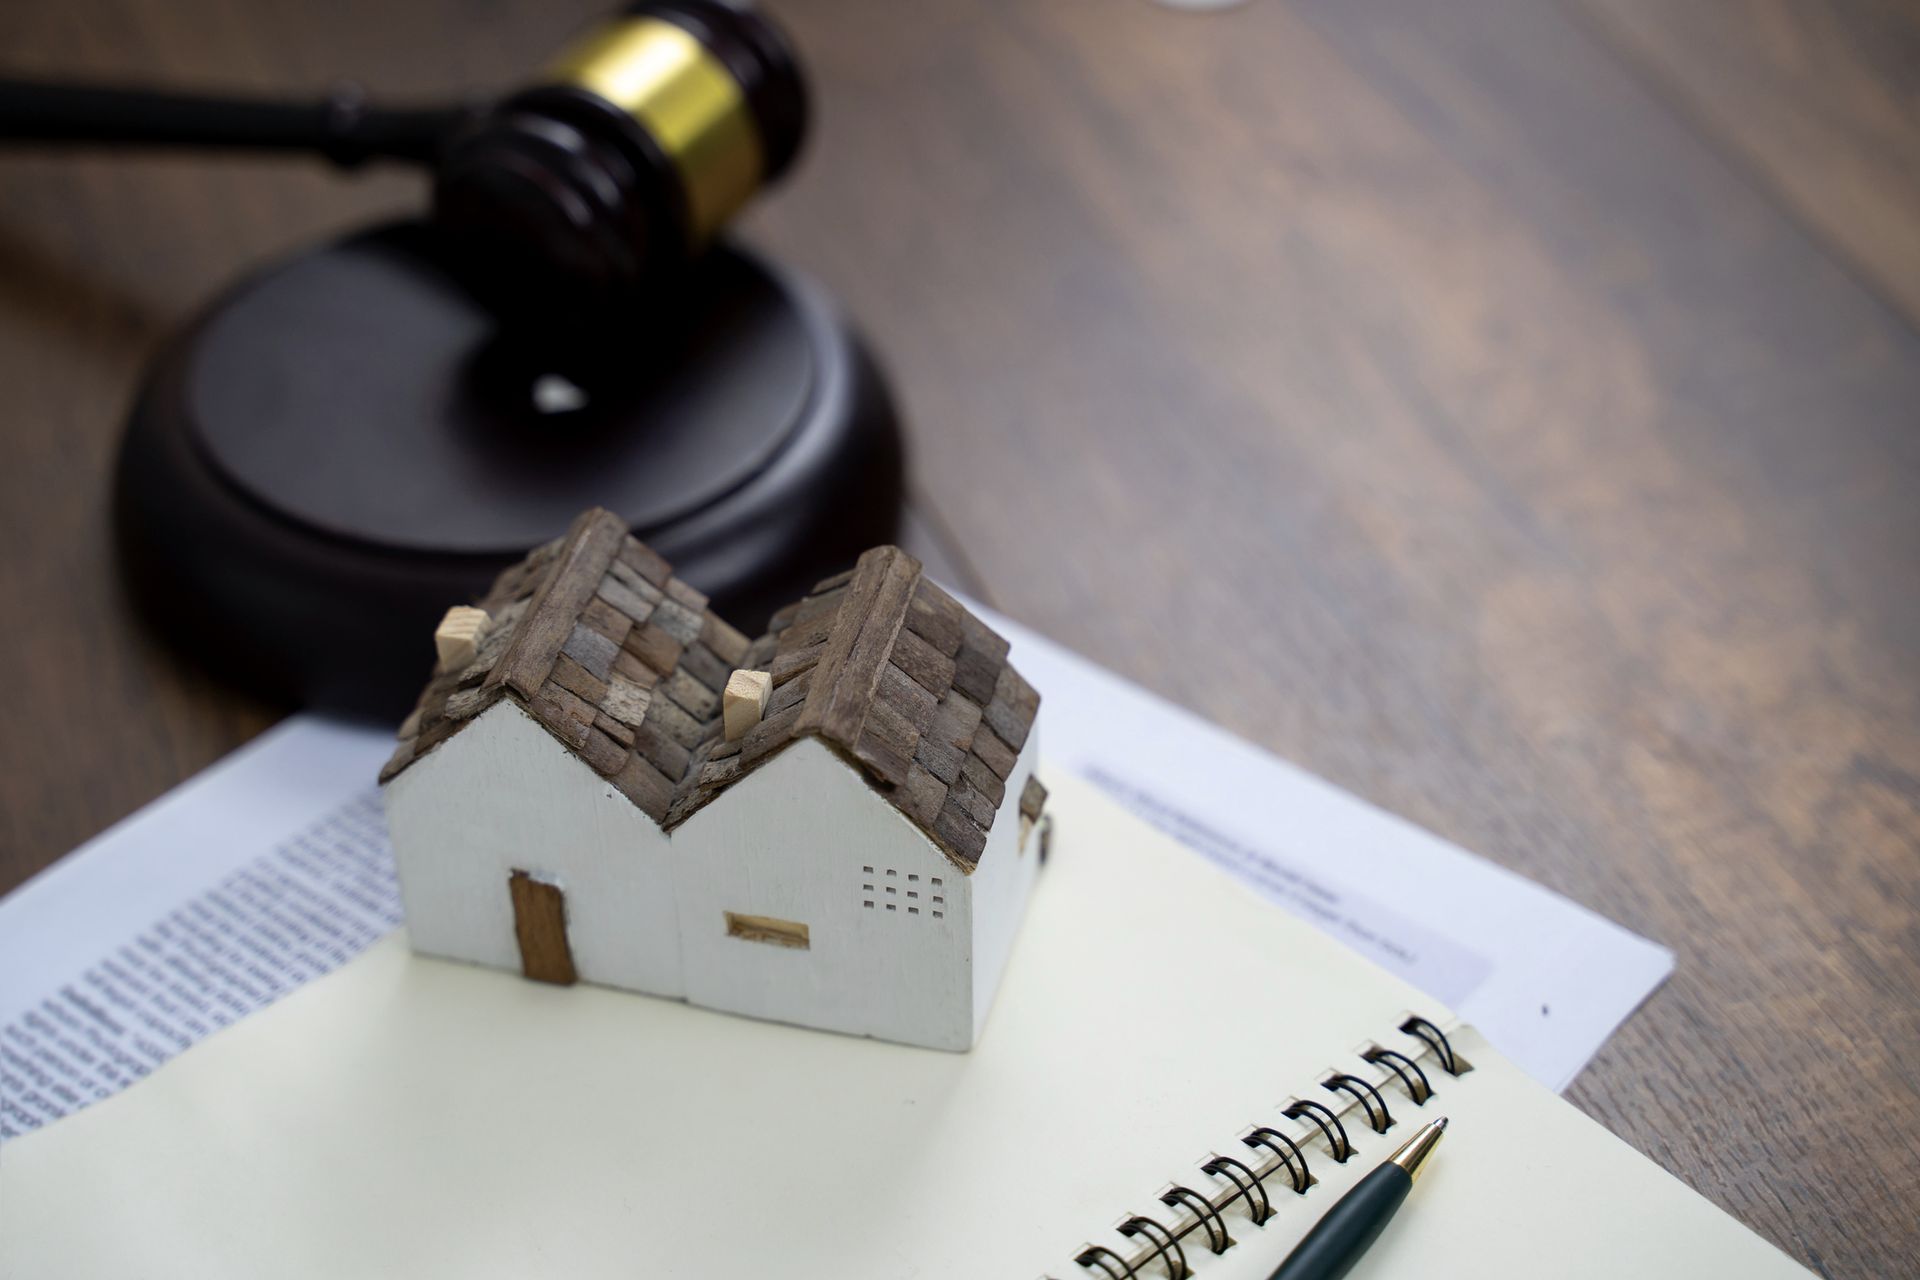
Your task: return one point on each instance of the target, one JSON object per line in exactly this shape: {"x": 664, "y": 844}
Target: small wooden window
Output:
{"x": 781, "y": 933}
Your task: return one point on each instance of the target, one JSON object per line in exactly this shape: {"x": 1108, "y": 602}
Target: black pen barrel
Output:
{"x": 1338, "y": 1239}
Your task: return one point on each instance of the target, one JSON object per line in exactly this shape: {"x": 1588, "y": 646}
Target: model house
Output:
{"x": 831, "y": 825}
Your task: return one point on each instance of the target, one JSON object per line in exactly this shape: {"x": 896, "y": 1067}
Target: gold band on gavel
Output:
{"x": 686, "y": 98}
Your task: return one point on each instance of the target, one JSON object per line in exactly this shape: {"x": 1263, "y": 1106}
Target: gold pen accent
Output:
{"x": 1413, "y": 1156}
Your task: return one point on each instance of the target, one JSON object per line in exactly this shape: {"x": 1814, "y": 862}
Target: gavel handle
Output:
{"x": 340, "y": 126}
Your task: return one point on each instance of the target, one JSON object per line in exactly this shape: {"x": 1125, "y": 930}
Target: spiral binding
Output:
{"x": 1338, "y": 1144}
{"x": 1400, "y": 1064}
{"x": 1161, "y": 1252}
{"x": 1366, "y": 1095}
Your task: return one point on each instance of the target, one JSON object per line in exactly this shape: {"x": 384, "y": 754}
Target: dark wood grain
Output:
{"x": 1440, "y": 373}
{"x": 875, "y": 605}
{"x": 1822, "y": 101}
{"x": 591, "y": 545}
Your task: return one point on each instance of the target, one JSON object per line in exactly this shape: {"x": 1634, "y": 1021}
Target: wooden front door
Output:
{"x": 540, "y": 923}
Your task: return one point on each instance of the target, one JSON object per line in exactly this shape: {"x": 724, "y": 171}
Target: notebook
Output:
{"x": 1125, "y": 1113}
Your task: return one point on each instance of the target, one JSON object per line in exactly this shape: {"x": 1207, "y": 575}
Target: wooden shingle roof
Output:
{"x": 596, "y": 640}
{"x": 897, "y": 676}
{"x": 624, "y": 664}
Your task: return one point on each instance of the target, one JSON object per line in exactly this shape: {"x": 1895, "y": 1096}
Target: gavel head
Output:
{"x": 639, "y": 144}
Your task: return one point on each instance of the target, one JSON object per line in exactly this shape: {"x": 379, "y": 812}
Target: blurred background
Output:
{"x": 1509, "y": 411}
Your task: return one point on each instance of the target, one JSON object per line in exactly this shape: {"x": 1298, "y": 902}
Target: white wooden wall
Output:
{"x": 793, "y": 840}
{"x": 803, "y": 839}
{"x": 502, "y": 795}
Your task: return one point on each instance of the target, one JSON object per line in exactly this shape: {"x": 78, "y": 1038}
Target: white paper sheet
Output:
{"x": 260, "y": 874}
{"x": 1546, "y": 980}
{"x": 272, "y": 868}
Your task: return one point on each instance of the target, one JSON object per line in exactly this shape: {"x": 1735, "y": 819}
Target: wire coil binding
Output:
{"x": 1334, "y": 1131}
{"x": 1098, "y": 1255}
{"x": 1218, "y": 1241}
{"x": 1400, "y": 1064}
{"x": 1161, "y": 1250}
{"x": 1270, "y": 1138}
{"x": 1253, "y": 1189}
{"x": 1166, "y": 1245}
{"x": 1367, "y": 1096}
{"x": 1436, "y": 1040}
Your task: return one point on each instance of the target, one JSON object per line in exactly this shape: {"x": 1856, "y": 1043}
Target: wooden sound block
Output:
{"x": 345, "y": 445}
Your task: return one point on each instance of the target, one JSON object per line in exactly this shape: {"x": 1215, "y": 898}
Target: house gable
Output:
{"x": 906, "y": 684}
{"x": 596, "y": 640}
{"x": 504, "y": 796}
{"x": 807, "y": 841}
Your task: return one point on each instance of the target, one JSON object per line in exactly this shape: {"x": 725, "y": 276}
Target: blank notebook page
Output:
{"x": 418, "y": 1118}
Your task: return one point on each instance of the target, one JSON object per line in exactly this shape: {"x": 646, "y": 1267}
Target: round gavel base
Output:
{"x": 345, "y": 445}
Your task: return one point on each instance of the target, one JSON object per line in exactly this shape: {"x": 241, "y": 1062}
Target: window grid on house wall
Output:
{"x": 875, "y": 878}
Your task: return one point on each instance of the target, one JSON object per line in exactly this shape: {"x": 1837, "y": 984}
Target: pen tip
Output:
{"x": 1413, "y": 1156}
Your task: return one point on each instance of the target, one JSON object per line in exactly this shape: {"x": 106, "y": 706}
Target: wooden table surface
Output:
{"x": 1509, "y": 411}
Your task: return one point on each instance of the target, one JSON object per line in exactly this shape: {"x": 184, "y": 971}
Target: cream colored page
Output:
{"x": 1523, "y": 1185}
{"x": 416, "y": 1118}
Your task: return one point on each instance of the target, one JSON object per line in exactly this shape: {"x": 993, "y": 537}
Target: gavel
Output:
{"x": 610, "y": 173}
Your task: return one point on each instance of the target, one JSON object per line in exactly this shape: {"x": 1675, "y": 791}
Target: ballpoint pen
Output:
{"x": 1357, "y": 1218}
